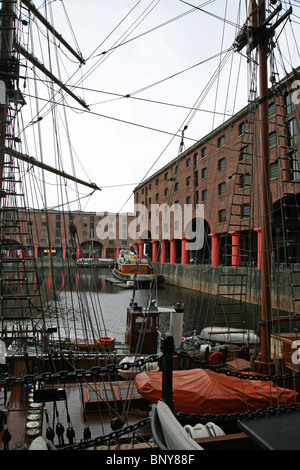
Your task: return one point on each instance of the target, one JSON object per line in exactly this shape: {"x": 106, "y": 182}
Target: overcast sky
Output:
{"x": 160, "y": 57}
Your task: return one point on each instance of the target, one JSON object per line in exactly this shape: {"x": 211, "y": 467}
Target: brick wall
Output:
{"x": 216, "y": 173}
{"x": 41, "y": 233}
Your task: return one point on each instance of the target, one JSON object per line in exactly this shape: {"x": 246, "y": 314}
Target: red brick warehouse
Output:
{"x": 46, "y": 234}
{"x": 222, "y": 171}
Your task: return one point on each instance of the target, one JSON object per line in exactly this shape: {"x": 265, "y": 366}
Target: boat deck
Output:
{"x": 99, "y": 425}
{"x": 17, "y": 418}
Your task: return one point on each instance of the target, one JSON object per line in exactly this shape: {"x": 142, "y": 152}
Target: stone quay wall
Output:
{"x": 206, "y": 278}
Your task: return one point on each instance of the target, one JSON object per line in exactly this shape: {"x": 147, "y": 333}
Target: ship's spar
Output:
{"x": 6, "y": 41}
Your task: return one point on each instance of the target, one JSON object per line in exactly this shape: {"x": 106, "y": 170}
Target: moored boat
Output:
{"x": 207, "y": 392}
{"x": 215, "y": 334}
{"x": 135, "y": 271}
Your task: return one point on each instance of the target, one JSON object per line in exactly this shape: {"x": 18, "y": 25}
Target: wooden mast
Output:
{"x": 6, "y": 75}
{"x": 266, "y": 194}
{"x": 258, "y": 33}
{"x": 6, "y": 45}
{"x": 38, "y": 15}
{"x": 33, "y": 161}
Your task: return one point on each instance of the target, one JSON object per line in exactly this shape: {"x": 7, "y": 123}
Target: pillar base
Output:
{"x": 172, "y": 251}
{"x": 215, "y": 247}
{"x": 184, "y": 252}
{"x": 154, "y": 250}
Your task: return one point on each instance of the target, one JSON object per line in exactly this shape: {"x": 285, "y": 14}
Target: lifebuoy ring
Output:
{"x": 216, "y": 354}
{"x": 106, "y": 341}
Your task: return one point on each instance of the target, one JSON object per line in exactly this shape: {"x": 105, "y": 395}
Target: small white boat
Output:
{"x": 130, "y": 268}
{"x": 229, "y": 335}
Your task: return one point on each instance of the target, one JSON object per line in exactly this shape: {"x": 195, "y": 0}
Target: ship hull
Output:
{"x": 142, "y": 278}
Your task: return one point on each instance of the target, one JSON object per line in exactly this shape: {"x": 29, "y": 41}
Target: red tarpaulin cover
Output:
{"x": 207, "y": 392}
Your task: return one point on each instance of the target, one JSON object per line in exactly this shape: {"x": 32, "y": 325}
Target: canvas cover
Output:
{"x": 207, "y": 392}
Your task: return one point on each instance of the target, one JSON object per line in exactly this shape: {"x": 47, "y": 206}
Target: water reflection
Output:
{"x": 80, "y": 304}
{"x": 110, "y": 303}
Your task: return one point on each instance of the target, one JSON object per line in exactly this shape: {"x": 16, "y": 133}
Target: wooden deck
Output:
{"x": 99, "y": 417}
{"x": 99, "y": 423}
{"x": 99, "y": 426}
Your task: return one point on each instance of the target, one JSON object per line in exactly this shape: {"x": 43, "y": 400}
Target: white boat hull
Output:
{"x": 229, "y": 335}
